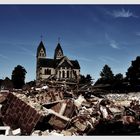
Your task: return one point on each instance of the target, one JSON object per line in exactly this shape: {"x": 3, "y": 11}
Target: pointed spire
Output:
{"x": 40, "y": 48}
{"x": 58, "y": 51}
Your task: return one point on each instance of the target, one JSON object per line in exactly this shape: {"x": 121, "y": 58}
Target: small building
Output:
{"x": 60, "y": 67}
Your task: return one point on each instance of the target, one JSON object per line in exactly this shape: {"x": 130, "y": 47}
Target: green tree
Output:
{"x": 82, "y": 79}
{"x": 133, "y": 72}
{"x": 107, "y": 76}
{"x": 118, "y": 82}
{"x": 88, "y": 78}
{"x": 107, "y": 73}
{"x": 18, "y": 76}
{"x": 85, "y": 79}
{"x": 118, "y": 77}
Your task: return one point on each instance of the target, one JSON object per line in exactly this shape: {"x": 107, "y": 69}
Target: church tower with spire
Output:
{"x": 58, "y": 54}
{"x": 41, "y": 51}
{"x": 41, "y": 54}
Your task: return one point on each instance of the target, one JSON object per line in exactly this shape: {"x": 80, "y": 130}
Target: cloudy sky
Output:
{"x": 95, "y": 35}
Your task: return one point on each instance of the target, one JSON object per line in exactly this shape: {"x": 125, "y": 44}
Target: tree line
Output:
{"x": 131, "y": 82}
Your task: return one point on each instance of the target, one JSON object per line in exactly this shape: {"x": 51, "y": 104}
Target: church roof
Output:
{"x": 46, "y": 62}
{"x": 53, "y": 63}
{"x": 58, "y": 47}
{"x": 75, "y": 64}
{"x": 40, "y": 46}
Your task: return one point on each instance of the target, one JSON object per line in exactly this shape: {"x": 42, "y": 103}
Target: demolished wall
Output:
{"x": 17, "y": 114}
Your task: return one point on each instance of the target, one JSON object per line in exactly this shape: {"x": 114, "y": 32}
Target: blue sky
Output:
{"x": 95, "y": 35}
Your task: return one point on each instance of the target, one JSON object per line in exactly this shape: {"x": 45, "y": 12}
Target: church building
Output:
{"x": 60, "y": 67}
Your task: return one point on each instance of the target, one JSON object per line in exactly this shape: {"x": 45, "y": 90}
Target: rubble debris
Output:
{"x": 17, "y": 114}
{"x": 46, "y": 133}
{"x": 5, "y": 130}
{"x": 66, "y": 133}
{"x": 80, "y": 123}
{"x": 3, "y": 96}
{"x": 78, "y": 102}
{"x": 63, "y": 113}
{"x": 37, "y": 133}
{"x": 45, "y": 111}
{"x": 45, "y": 87}
{"x": 16, "y": 132}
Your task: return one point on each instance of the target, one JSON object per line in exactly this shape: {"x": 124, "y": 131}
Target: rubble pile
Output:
{"x": 46, "y": 112}
{"x": 123, "y": 99}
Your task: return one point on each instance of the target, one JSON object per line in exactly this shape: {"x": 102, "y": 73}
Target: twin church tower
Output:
{"x": 60, "y": 67}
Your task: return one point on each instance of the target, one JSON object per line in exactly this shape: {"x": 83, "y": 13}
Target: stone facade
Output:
{"x": 61, "y": 68}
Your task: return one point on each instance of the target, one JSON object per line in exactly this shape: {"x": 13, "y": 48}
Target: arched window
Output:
{"x": 59, "y": 74}
{"x": 50, "y": 71}
{"x": 67, "y": 74}
{"x": 47, "y": 72}
{"x": 71, "y": 74}
{"x": 63, "y": 74}
{"x": 41, "y": 54}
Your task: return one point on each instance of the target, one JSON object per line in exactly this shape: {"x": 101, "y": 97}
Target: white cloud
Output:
{"x": 112, "y": 43}
{"x": 3, "y": 56}
{"x": 107, "y": 59}
{"x": 123, "y": 14}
